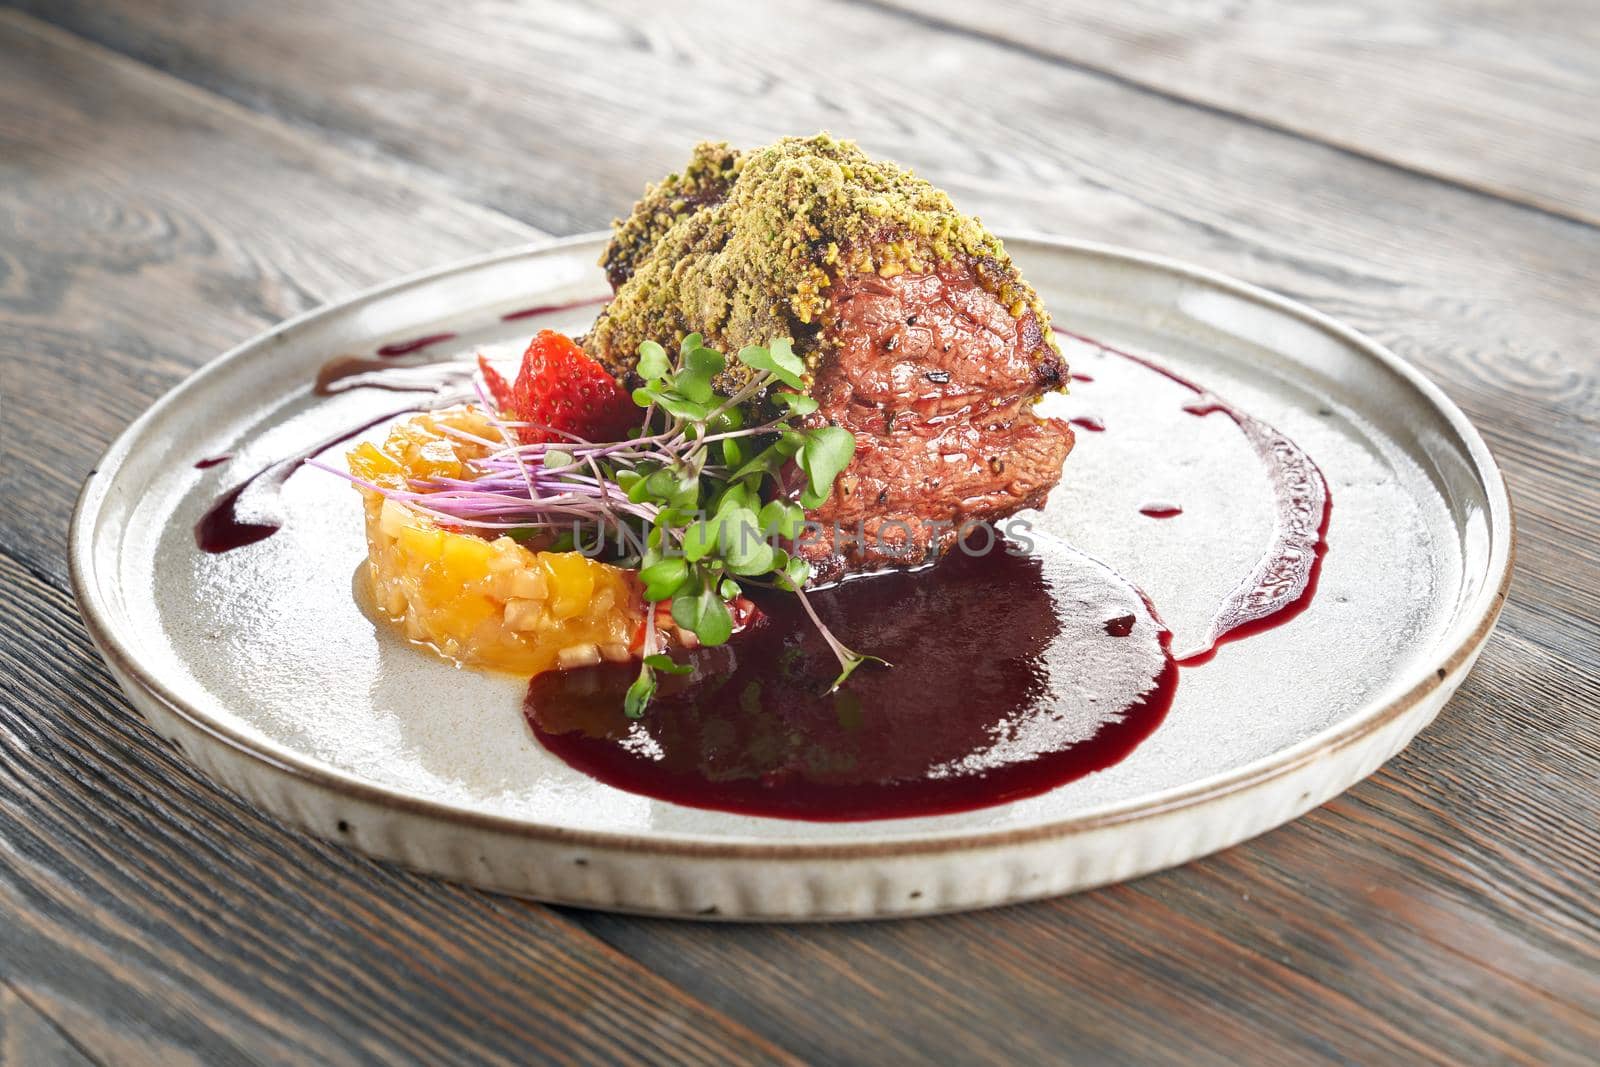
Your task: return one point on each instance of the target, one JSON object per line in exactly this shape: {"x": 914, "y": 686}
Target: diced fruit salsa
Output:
{"x": 493, "y": 603}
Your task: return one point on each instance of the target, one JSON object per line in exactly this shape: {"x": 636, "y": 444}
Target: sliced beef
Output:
{"x": 937, "y": 381}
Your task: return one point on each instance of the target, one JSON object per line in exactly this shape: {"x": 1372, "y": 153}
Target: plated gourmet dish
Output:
{"x": 755, "y": 536}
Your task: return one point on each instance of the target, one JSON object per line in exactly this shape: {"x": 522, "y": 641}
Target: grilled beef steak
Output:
{"x": 918, "y": 333}
{"x": 937, "y": 382}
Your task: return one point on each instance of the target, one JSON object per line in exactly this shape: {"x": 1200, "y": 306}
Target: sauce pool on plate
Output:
{"x": 1012, "y": 675}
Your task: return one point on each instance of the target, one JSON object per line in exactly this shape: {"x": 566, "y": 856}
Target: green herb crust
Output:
{"x": 743, "y": 246}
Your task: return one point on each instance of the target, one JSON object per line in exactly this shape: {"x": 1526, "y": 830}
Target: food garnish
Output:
{"x": 700, "y": 497}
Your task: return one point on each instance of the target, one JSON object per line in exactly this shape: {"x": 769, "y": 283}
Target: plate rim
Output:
{"x": 1468, "y": 632}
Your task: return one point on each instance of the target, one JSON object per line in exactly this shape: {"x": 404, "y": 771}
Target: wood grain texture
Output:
{"x": 1442, "y": 912}
{"x": 1493, "y": 96}
{"x": 149, "y": 227}
{"x": 155, "y": 918}
{"x": 29, "y": 1039}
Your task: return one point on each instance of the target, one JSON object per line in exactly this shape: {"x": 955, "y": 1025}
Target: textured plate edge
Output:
{"x": 1473, "y": 622}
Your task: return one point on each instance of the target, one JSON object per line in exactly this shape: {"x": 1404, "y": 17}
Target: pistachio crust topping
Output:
{"x": 742, "y": 246}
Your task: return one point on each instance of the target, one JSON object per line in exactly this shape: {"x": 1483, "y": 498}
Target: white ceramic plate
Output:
{"x": 261, "y": 666}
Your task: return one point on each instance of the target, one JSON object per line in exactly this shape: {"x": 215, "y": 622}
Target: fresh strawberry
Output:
{"x": 560, "y": 388}
{"x": 499, "y": 388}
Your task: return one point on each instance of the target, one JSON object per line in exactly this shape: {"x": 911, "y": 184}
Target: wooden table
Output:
{"x": 176, "y": 175}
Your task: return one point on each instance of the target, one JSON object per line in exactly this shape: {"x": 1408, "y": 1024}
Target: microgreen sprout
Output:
{"x": 698, "y": 495}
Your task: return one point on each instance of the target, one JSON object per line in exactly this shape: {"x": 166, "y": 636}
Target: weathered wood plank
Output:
{"x": 29, "y": 1039}
{"x": 147, "y": 228}
{"x": 1498, "y": 97}
{"x": 162, "y": 919}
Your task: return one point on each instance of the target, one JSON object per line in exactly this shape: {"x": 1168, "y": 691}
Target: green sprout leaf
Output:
{"x": 685, "y": 494}
{"x": 694, "y": 385}
{"x": 640, "y": 693}
{"x": 660, "y": 484}
{"x": 771, "y": 458}
{"x": 782, "y": 518}
{"x": 707, "y": 361}
{"x": 700, "y": 540}
{"x": 782, "y": 352}
{"x": 850, "y": 661}
{"x": 744, "y": 548}
{"x": 639, "y": 491}
{"x": 825, "y": 454}
{"x": 780, "y": 362}
{"x": 737, "y": 495}
{"x": 664, "y": 578}
{"x": 666, "y": 664}
{"x": 682, "y": 406}
{"x": 671, "y": 518}
{"x": 704, "y": 614}
{"x": 795, "y": 574}
{"x": 653, "y": 364}
{"x": 726, "y": 421}
{"x": 798, "y": 403}
{"x": 555, "y": 459}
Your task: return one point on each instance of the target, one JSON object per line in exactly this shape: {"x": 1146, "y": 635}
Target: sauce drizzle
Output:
{"x": 251, "y": 511}
{"x": 405, "y": 348}
{"x": 1284, "y": 579}
{"x": 551, "y": 309}
{"x": 344, "y": 373}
